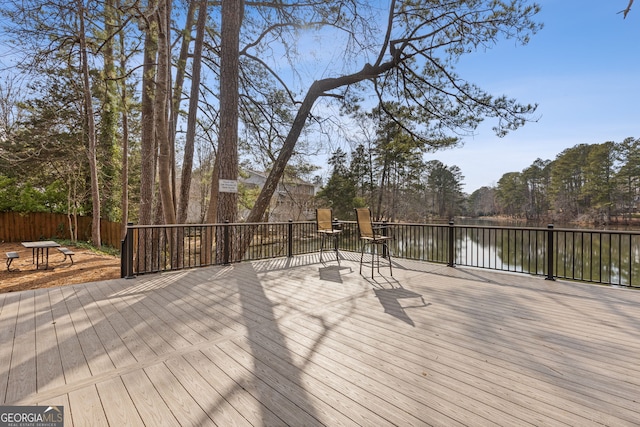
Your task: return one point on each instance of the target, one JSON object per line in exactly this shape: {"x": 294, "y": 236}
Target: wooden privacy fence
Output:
{"x": 20, "y": 227}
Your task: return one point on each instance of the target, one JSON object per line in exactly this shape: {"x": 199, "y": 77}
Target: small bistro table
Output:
{"x": 40, "y": 250}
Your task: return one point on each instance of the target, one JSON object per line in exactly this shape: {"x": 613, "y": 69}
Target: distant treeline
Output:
{"x": 590, "y": 183}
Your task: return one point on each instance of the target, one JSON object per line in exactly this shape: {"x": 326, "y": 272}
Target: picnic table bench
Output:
{"x": 10, "y": 257}
{"x": 67, "y": 253}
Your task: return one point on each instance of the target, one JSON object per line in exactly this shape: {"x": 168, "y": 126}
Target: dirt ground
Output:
{"x": 88, "y": 266}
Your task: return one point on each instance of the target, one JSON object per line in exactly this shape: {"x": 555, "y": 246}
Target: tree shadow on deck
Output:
{"x": 169, "y": 326}
{"x": 276, "y": 376}
{"x": 331, "y": 273}
{"x": 390, "y": 300}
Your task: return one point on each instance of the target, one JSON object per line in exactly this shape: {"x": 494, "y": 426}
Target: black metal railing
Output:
{"x": 611, "y": 257}
{"x": 156, "y": 248}
{"x": 521, "y": 250}
{"x": 608, "y": 257}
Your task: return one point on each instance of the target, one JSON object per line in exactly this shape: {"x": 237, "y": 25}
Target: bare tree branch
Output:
{"x": 627, "y": 10}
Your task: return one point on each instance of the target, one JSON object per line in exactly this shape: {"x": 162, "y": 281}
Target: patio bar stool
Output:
{"x": 327, "y": 231}
{"x": 369, "y": 237}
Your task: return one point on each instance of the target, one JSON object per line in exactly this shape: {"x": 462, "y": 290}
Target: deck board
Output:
{"x": 126, "y": 342}
{"x": 177, "y": 397}
{"x": 119, "y": 408}
{"x": 230, "y": 397}
{"x": 48, "y": 362}
{"x": 148, "y": 403}
{"x": 297, "y": 342}
{"x": 21, "y": 381}
{"x": 9, "y": 316}
{"x": 190, "y": 377}
{"x": 93, "y": 350}
{"x": 85, "y": 408}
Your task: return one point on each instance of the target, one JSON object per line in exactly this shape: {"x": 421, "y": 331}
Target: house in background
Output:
{"x": 293, "y": 199}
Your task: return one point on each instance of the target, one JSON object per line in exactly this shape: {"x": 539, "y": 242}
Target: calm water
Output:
{"x": 523, "y": 223}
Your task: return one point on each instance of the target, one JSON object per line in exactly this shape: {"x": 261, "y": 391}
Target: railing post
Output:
{"x": 335, "y": 225}
{"x": 227, "y": 243}
{"x": 123, "y": 257}
{"x": 290, "y": 238}
{"x": 550, "y": 234}
{"x": 126, "y": 254}
{"x": 452, "y": 241}
{"x": 385, "y": 233}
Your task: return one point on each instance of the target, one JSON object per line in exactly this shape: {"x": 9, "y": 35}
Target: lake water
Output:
{"x": 523, "y": 223}
{"x": 587, "y": 254}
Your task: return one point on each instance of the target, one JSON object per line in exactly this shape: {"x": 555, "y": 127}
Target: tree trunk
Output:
{"x": 212, "y": 212}
{"x": 383, "y": 185}
{"x": 72, "y": 210}
{"x": 148, "y": 145}
{"x": 124, "y": 204}
{"x": 187, "y": 164}
{"x": 124, "y": 199}
{"x": 148, "y": 149}
{"x": 91, "y": 132}
{"x": 232, "y": 14}
{"x": 108, "y": 132}
{"x": 181, "y": 67}
{"x": 175, "y": 104}
{"x": 165, "y": 169}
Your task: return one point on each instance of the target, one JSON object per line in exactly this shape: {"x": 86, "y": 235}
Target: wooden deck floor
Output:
{"x": 295, "y": 342}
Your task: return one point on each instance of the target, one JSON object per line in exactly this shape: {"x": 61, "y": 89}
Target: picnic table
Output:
{"x": 40, "y": 250}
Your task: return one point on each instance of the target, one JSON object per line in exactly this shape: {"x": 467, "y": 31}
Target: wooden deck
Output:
{"x": 295, "y": 342}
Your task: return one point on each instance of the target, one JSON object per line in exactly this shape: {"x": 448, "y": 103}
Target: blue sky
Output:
{"x": 582, "y": 68}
